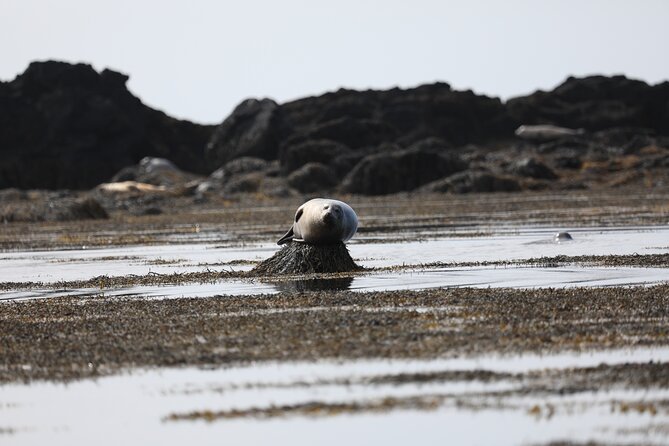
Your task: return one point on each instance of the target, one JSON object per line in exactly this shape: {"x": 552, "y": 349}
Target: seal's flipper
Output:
{"x": 287, "y": 237}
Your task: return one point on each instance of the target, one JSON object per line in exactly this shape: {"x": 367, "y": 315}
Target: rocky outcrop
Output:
{"x": 313, "y": 177}
{"x": 596, "y": 103}
{"x": 313, "y": 151}
{"x": 400, "y": 170}
{"x": 324, "y": 127}
{"x": 248, "y": 131}
{"x": 68, "y": 126}
{"x": 244, "y": 175}
{"x": 473, "y": 181}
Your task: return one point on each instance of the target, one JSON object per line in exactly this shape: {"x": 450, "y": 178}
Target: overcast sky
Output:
{"x": 197, "y": 59}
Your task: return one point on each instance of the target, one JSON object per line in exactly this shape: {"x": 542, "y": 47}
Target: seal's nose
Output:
{"x": 328, "y": 217}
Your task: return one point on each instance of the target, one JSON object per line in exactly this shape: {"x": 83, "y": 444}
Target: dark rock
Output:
{"x": 258, "y": 183}
{"x": 86, "y": 208}
{"x": 303, "y": 258}
{"x": 574, "y": 144}
{"x": 623, "y": 140}
{"x": 276, "y": 187}
{"x": 568, "y": 161}
{"x": 247, "y": 171}
{"x": 245, "y": 183}
{"x": 661, "y": 161}
{"x": 344, "y": 164}
{"x": 431, "y": 144}
{"x": 530, "y": 167}
{"x": 318, "y": 151}
{"x": 248, "y": 131}
{"x": 313, "y": 177}
{"x": 359, "y": 119}
{"x": 596, "y": 103}
{"x": 128, "y": 173}
{"x": 353, "y": 133}
{"x": 239, "y": 166}
{"x": 398, "y": 171}
{"x": 245, "y": 164}
{"x": 67, "y": 126}
{"x": 473, "y": 181}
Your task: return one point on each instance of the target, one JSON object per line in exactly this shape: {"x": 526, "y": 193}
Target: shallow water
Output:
{"x": 133, "y": 406}
{"x": 519, "y": 243}
{"x": 475, "y": 277}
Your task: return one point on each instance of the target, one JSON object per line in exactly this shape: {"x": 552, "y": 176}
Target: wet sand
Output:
{"x": 71, "y": 338}
{"x": 403, "y": 217}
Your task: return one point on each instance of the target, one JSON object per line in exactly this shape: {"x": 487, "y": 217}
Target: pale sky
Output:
{"x": 198, "y": 59}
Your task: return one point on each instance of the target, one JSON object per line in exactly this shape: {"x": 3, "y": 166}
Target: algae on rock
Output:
{"x": 304, "y": 258}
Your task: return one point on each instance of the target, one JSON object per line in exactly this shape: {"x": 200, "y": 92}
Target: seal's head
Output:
{"x": 322, "y": 221}
{"x": 332, "y": 215}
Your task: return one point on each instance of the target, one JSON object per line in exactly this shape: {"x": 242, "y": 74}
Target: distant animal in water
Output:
{"x": 545, "y": 132}
{"x": 322, "y": 221}
{"x": 563, "y": 237}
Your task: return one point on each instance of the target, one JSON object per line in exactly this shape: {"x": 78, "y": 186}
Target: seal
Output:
{"x": 563, "y": 237}
{"x": 322, "y": 221}
{"x": 546, "y": 132}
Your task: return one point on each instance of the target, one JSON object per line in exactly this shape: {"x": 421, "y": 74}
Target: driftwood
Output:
{"x": 303, "y": 258}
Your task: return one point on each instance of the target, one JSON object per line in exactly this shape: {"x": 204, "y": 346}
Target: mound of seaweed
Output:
{"x": 303, "y": 258}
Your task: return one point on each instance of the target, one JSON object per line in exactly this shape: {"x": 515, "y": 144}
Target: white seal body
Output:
{"x": 546, "y": 132}
{"x": 322, "y": 221}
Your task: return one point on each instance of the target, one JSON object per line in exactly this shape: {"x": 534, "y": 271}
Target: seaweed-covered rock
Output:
{"x": 304, "y": 258}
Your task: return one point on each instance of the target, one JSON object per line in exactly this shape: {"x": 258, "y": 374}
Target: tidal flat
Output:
{"x": 467, "y": 313}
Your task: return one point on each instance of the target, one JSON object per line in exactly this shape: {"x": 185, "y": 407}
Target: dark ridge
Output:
{"x": 68, "y": 126}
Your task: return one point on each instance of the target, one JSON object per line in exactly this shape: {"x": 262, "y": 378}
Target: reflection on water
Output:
{"x": 464, "y": 394}
{"x": 329, "y": 284}
{"x": 521, "y": 243}
{"x": 419, "y": 279}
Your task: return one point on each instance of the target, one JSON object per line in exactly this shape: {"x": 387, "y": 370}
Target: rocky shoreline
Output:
{"x": 68, "y": 127}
